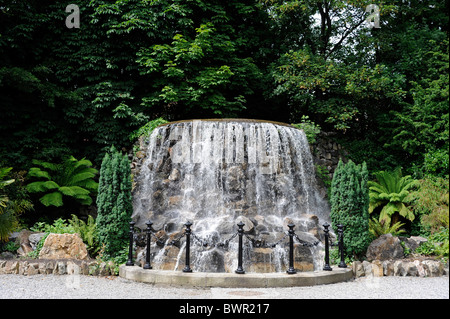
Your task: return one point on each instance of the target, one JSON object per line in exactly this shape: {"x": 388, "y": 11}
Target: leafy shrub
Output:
{"x": 431, "y": 203}
{"x": 436, "y": 162}
{"x": 390, "y": 192}
{"x": 87, "y": 232}
{"x": 10, "y": 246}
{"x": 349, "y": 206}
{"x": 72, "y": 177}
{"x": 10, "y": 206}
{"x": 437, "y": 244}
{"x": 380, "y": 227}
{"x": 147, "y": 129}
{"x": 310, "y": 128}
{"x": 39, "y": 245}
{"x": 59, "y": 226}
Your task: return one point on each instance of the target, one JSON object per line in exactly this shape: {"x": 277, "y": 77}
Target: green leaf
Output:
{"x": 52, "y": 199}
{"x": 37, "y": 172}
{"x": 37, "y": 187}
{"x": 84, "y": 176}
{"x": 47, "y": 165}
{"x": 74, "y": 191}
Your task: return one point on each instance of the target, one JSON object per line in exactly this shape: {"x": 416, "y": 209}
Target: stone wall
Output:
{"x": 326, "y": 152}
{"x": 400, "y": 267}
{"x": 54, "y": 267}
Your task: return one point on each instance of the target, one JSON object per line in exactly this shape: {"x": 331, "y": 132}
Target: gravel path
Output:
{"x": 89, "y": 287}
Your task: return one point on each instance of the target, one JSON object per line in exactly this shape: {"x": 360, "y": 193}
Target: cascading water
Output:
{"x": 215, "y": 173}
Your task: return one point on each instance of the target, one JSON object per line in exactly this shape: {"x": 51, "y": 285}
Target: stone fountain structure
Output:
{"x": 216, "y": 173}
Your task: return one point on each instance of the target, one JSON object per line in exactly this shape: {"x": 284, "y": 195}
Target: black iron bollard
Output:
{"x": 188, "y": 225}
{"x": 147, "y": 255}
{"x": 240, "y": 270}
{"x": 327, "y": 249}
{"x": 130, "y": 251}
{"x": 341, "y": 246}
{"x": 291, "y": 269}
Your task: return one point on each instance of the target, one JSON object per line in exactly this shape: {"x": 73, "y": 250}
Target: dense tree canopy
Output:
{"x": 77, "y": 91}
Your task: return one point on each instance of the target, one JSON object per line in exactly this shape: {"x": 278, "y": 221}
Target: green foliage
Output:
{"x": 112, "y": 262}
{"x": 10, "y": 246}
{"x": 39, "y": 245}
{"x": 86, "y": 230}
{"x": 349, "y": 206}
{"x": 114, "y": 206}
{"x": 88, "y": 233}
{"x": 195, "y": 74}
{"x": 381, "y": 227}
{"x": 4, "y": 171}
{"x": 310, "y": 128}
{"x": 390, "y": 192}
{"x": 423, "y": 122}
{"x": 79, "y": 91}
{"x": 7, "y": 224}
{"x": 11, "y": 205}
{"x": 59, "y": 226}
{"x": 436, "y": 162}
{"x": 430, "y": 201}
{"x": 367, "y": 149}
{"x": 147, "y": 129}
{"x": 73, "y": 178}
{"x": 437, "y": 244}
{"x": 348, "y": 90}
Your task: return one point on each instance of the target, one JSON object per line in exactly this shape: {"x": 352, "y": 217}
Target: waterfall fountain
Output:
{"x": 216, "y": 173}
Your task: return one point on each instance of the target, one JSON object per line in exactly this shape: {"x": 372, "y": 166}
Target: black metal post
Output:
{"x": 327, "y": 249}
{"x": 188, "y": 225}
{"x": 291, "y": 269}
{"x": 130, "y": 251}
{"x": 149, "y": 237}
{"x": 240, "y": 270}
{"x": 341, "y": 246}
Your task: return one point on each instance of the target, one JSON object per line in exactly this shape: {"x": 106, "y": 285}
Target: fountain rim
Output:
{"x": 229, "y": 120}
{"x": 233, "y": 280}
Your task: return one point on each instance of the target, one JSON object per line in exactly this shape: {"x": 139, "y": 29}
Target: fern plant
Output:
{"x": 10, "y": 207}
{"x": 390, "y": 192}
{"x": 6, "y": 216}
{"x": 73, "y": 178}
{"x": 381, "y": 227}
{"x": 4, "y": 171}
{"x": 88, "y": 232}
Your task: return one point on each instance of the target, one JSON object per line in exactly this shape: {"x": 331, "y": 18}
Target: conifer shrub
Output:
{"x": 114, "y": 204}
{"x": 350, "y": 206}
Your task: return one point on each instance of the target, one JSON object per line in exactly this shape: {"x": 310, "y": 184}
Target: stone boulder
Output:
{"x": 385, "y": 247}
{"x": 35, "y": 238}
{"x": 248, "y": 224}
{"x": 64, "y": 246}
{"x": 413, "y": 242}
{"x": 25, "y": 247}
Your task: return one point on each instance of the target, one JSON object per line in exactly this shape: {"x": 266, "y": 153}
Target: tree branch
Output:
{"x": 344, "y": 36}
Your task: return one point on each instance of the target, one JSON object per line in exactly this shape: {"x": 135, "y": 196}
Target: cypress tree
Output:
{"x": 349, "y": 206}
{"x": 114, "y": 205}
